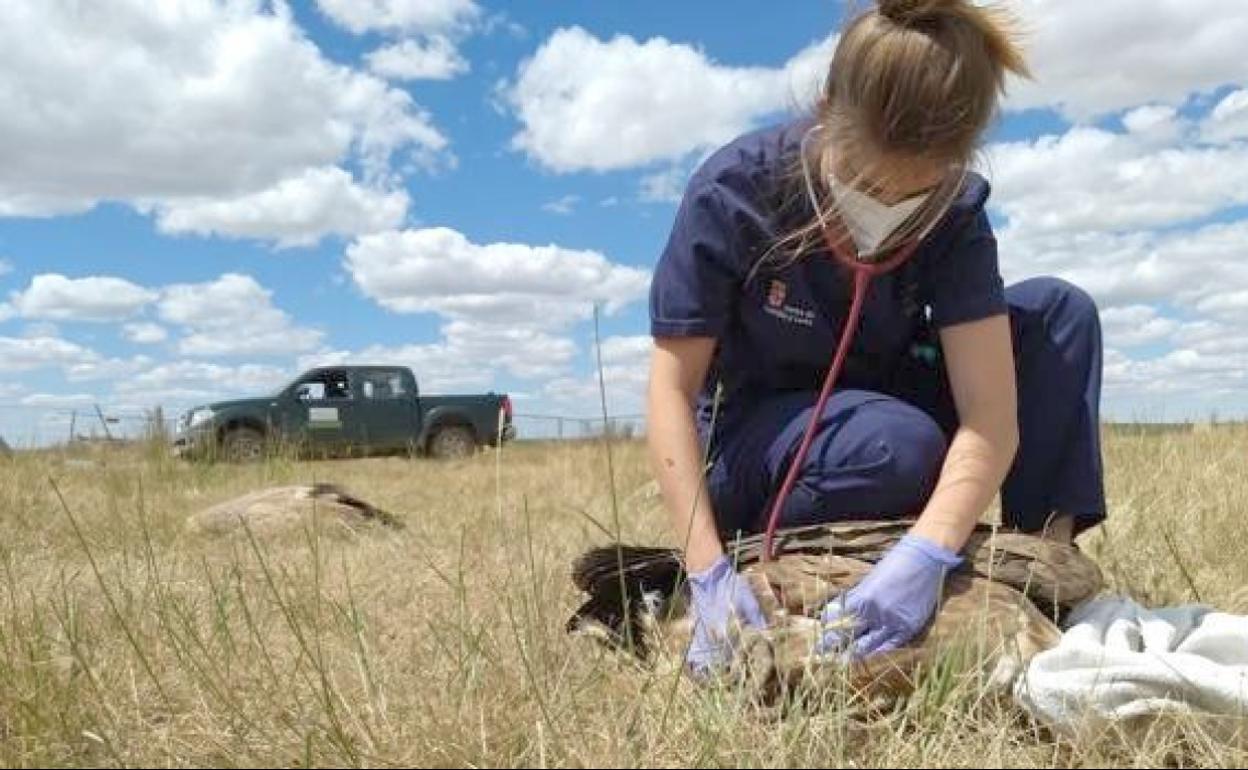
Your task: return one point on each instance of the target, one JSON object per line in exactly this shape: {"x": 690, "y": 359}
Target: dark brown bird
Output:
{"x": 1004, "y": 603}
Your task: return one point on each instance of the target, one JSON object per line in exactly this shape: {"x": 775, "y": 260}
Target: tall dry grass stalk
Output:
{"x": 126, "y": 640}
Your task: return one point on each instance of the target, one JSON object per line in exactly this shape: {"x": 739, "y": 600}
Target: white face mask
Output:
{"x": 869, "y": 222}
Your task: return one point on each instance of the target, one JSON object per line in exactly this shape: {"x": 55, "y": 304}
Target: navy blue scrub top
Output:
{"x": 777, "y": 329}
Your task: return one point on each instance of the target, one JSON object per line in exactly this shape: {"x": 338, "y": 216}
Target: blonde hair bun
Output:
{"x": 998, "y": 28}
{"x": 908, "y": 12}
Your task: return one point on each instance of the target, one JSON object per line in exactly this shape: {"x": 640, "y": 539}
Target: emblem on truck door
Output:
{"x": 324, "y": 417}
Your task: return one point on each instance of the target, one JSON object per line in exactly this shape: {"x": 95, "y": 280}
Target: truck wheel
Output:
{"x": 453, "y": 441}
{"x": 243, "y": 445}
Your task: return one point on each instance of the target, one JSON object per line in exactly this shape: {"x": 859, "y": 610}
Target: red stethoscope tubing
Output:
{"x": 863, "y": 273}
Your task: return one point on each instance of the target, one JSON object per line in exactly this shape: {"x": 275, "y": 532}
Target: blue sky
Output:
{"x": 197, "y": 204}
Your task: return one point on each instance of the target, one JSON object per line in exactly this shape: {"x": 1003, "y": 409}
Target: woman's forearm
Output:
{"x": 677, "y": 462}
{"x": 975, "y": 465}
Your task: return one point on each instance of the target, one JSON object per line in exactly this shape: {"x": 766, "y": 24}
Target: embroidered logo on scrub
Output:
{"x": 777, "y": 292}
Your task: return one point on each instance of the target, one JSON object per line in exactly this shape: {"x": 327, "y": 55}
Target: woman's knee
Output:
{"x": 916, "y": 447}
{"x": 884, "y": 460}
{"x": 1058, "y": 301}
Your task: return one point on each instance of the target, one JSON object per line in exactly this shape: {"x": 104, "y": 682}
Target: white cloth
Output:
{"x": 1118, "y": 660}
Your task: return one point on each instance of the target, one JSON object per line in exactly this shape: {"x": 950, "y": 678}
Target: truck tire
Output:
{"x": 452, "y": 442}
{"x": 243, "y": 445}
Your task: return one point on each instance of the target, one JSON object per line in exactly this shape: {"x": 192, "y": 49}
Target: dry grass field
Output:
{"x": 126, "y": 639}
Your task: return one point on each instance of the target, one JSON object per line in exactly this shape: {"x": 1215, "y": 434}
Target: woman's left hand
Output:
{"x": 893, "y": 603}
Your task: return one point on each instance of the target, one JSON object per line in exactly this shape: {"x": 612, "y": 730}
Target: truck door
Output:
{"x": 385, "y": 414}
{"x": 325, "y": 415}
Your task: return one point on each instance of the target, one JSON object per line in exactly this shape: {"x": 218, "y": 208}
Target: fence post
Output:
{"x": 107, "y": 433}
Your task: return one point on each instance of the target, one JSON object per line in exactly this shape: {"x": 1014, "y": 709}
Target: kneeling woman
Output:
{"x": 956, "y": 387}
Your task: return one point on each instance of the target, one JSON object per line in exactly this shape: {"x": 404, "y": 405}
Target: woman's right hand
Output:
{"x": 723, "y": 604}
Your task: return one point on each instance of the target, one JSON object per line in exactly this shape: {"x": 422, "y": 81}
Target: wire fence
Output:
{"x": 38, "y": 426}
{"x": 33, "y": 426}
{"x": 564, "y": 427}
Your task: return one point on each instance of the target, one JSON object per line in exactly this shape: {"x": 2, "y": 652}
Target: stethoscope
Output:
{"x": 834, "y": 235}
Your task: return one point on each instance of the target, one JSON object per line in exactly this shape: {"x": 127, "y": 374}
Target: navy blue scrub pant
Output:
{"x": 878, "y": 455}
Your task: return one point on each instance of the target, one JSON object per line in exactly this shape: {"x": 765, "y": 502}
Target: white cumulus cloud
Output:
{"x": 176, "y": 384}
{"x": 232, "y": 316}
{"x": 1148, "y": 219}
{"x": 1228, "y": 121}
{"x": 1093, "y": 179}
{"x": 563, "y": 205}
{"x": 592, "y": 104}
{"x": 360, "y": 16}
{"x": 56, "y": 297}
{"x": 434, "y": 59}
{"x": 507, "y": 308}
{"x": 296, "y": 212}
{"x": 1188, "y": 268}
{"x": 59, "y": 400}
{"x": 1131, "y": 325}
{"x": 625, "y": 373}
{"x": 439, "y": 270}
{"x": 96, "y": 367}
{"x": 666, "y": 186}
{"x": 190, "y": 101}
{"x": 469, "y": 355}
{"x": 1095, "y": 58}
{"x": 22, "y": 354}
{"x": 429, "y": 31}
{"x": 144, "y": 333}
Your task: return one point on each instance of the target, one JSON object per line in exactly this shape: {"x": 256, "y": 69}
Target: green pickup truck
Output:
{"x": 346, "y": 410}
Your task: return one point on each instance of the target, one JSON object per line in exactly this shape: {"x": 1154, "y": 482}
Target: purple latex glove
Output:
{"x": 894, "y": 602}
{"x": 720, "y": 597}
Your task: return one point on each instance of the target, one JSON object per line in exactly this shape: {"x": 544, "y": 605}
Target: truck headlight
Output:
{"x": 199, "y": 417}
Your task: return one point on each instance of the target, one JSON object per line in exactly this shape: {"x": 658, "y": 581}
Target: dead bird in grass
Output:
{"x": 287, "y": 507}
